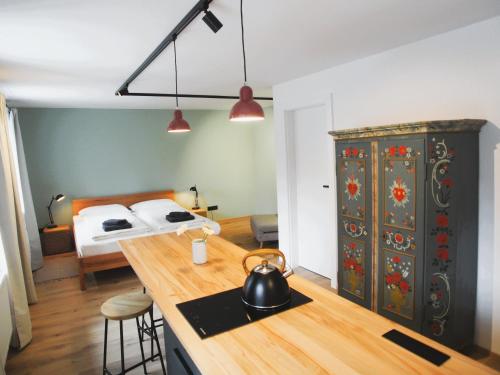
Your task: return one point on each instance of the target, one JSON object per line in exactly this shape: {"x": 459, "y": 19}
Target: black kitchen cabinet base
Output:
{"x": 224, "y": 311}
{"x": 178, "y": 360}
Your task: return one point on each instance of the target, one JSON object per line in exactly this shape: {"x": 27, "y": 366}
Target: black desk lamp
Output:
{"x": 193, "y": 188}
{"x": 57, "y": 198}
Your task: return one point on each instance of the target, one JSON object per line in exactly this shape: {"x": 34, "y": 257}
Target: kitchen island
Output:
{"x": 328, "y": 335}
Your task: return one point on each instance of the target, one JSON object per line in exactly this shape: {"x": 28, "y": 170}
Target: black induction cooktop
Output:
{"x": 224, "y": 311}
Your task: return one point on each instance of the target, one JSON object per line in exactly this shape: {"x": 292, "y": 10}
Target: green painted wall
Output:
{"x": 96, "y": 152}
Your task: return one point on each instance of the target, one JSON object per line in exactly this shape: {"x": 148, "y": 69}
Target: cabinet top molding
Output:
{"x": 422, "y": 127}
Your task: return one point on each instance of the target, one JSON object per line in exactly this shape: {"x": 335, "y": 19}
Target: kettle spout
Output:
{"x": 288, "y": 272}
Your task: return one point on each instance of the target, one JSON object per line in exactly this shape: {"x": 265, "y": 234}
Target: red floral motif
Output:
{"x": 392, "y": 150}
{"x": 448, "y": 182}
{"x": 349, "y": 263}
{"x": 352, "y": 227}
{"x": 348, "y": 151}
{"x": 352, "y": 259}
{"x": 398, "y": 237}
{"x": 396, "y": 278}
{"x": 442, "y": 220}
{"x": 442, "y": 254}
{"x": 355, "y": 152}
{"x": 436, "y": 328}
{"x": 402, "y": 150}
{"x": 404, "y": 286}
{"x": 442, "y": 238}
{"x": 358, "y": 269}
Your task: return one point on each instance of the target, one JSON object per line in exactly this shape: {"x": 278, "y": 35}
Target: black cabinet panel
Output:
{"x": 354, "y": 180}
{"x": 451, "y": 257}
{"x": 401, "y": 197}
{"x": 178, "y": 360}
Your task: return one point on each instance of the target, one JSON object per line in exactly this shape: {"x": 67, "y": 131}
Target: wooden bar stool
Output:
{"x": 125, "y": 307}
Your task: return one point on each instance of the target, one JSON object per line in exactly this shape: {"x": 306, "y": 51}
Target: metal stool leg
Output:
{"x": 146, "y": 329}
{"x": 104, "y": 369}
{"x": 152, "y": 347}
{"x": 142, "y": 348}
{"x": 155, "y": 336}
{"x": 121, "y": 347}
{"x": 151, "y": 330}
{"x": 152, "y": 323}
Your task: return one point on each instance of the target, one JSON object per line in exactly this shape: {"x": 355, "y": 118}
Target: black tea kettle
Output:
{"x": 265, "y": 287}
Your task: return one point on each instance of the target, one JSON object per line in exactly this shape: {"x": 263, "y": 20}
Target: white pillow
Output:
{"x": 105, "y": 210}
{"x": 164, "y": 204}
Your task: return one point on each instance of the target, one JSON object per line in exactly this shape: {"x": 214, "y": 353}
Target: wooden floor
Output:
{"x": 68, "y": 328}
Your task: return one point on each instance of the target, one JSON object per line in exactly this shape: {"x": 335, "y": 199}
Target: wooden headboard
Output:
{"x": 127, "y": 200}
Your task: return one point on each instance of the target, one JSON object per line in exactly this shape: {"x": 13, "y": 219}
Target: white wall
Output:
{"x": 452, "y": 75}
{"x": 5, "y": 321}
{"x": 264, "y": 165}
{"x": 495, "y": 340}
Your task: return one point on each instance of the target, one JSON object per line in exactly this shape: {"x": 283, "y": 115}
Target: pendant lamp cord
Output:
{"x": 242, "y": 42}
{"x": 175, "y": 64}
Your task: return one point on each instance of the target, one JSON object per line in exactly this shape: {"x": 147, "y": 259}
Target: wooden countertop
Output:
{"x": 328, "y": 335}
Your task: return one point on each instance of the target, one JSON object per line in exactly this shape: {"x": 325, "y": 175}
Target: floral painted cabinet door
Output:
{"x": 354, "y": 191}
{"x": 401, "y": 229}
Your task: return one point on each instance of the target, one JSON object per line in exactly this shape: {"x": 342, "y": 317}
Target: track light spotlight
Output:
{"x": 212, "y": 21}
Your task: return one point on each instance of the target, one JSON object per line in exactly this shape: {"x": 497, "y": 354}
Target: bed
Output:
{"x": 98, "y": 250}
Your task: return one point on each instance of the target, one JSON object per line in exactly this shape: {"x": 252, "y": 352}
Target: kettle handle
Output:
{"x": 261, "y": 252}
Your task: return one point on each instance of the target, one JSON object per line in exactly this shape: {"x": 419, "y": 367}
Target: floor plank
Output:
{"x": 68, "y": 329}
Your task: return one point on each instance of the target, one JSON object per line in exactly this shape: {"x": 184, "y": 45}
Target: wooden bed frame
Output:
{"x": 111, "y": 260}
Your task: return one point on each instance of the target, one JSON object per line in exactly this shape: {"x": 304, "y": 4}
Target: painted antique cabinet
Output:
{"x": 408, "y": 222}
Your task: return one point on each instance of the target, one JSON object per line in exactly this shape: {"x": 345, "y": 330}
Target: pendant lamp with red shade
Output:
{"x": 246, "y": 109}
{"x": 178, "y": 124}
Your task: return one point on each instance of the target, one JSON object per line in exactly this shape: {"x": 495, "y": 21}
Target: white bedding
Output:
{"x": 86, "y": 228}
{"x": 86, "y": 245}
{"x": 155, "y": 218}
{"x": 94, "y": 224}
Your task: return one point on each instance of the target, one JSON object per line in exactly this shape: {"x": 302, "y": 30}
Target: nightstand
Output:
{"x": 57, "y": 240}
{"x": 200, "y": 211}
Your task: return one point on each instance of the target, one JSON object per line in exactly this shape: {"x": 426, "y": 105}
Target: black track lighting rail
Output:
{"x": 204, "y": 96}
{"x": 199, "y": 7}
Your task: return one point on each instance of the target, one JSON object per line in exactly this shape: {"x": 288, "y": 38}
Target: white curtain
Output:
{"x": 16, "y": 254}
{"x": 26, "y": 200}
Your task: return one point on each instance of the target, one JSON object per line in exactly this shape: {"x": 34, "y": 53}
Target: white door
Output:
{"x": 313, "y": 191}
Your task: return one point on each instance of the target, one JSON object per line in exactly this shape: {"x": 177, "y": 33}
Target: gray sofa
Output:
{"x": 265, "y": 228}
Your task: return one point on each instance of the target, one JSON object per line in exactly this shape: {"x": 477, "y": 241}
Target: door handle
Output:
{"x": 326, "y": 186}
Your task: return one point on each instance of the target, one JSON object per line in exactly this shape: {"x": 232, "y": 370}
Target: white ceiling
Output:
{"x": 68, "y": 53}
